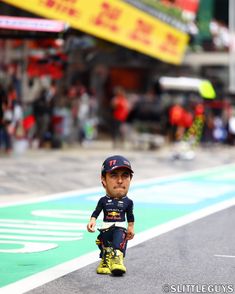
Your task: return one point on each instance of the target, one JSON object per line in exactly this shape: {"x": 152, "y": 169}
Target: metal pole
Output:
{"x": 232, "y": 46}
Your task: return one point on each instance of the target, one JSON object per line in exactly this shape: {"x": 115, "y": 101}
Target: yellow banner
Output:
{"x": 115, "y": 21}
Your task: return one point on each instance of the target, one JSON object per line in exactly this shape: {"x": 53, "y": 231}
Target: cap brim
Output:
{"x": 120, "y": 166}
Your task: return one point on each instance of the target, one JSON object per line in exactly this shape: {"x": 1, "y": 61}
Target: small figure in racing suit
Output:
{"x": 116, "y": 176}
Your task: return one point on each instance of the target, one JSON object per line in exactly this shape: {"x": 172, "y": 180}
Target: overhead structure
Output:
{"x": 117, "y": 22}
{"x": 31, "y": 24}
{"x": 202, "y": 86}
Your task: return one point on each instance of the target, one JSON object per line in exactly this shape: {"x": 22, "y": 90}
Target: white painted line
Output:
{"x": 58, "y": 227}
{"x": 40, "y": 232}
{"x": 181, "y": 221}
{"x": 76, "y": 193}
{"x": 73, "y": 193}
{"x": 27, "y": 247}
{"x": 43, "y": 223}
{"x": 226, "y": 256}
{"x": 51, "y": 274}
{"x": 40, "y": 238}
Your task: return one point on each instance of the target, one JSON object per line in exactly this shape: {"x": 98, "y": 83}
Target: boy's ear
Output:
{"x": 103, "y": 181}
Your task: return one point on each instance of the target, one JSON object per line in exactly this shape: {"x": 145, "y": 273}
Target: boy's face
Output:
{"x": 117, "y": 182}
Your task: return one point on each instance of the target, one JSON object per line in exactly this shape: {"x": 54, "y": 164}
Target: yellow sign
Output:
{"x": 115, "y": 21}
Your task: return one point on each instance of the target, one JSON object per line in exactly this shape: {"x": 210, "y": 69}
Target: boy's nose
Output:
{"x": 120, "y": 179}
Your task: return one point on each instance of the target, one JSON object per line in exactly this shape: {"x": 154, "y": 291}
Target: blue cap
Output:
{"x": 113, "y": 162}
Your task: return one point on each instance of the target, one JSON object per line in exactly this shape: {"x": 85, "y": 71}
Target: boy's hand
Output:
{"x": 130, "y": 233}
{"x": 91, "y": 225}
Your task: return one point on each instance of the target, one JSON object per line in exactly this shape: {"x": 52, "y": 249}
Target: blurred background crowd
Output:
{"x": 68, "y": 87}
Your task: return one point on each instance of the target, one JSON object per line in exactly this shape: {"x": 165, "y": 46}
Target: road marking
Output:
{"x": 31, "y": 238}
{"x": 226, "y": 256}
{"x": 40, "y": 232}
{"x": 27, "y": 247}
{"x": 27, "y": 224}
{"x": 194, "y": 216}
{"x": 75, "y": 193}
{"x": 51, "y": 274}
{"x": 194, "y": 211}
{"x": 65, "y": 214}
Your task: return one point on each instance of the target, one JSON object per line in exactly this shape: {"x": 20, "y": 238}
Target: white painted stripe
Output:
{"x": 60, "y": 213}
{"x": 27, "y": 247}
{"x": 40, "y": 232}
{"x": 34, "y": 281}
{"x": 79, "y": 227}
{"x": 51, "y": 274}
{"x": 22, "y": 221}
{"x": 73, "y": 193}
{"x": 181, "y": 221}
{"x": 226, "y": 256}
{"x": 33, "y": 238}
{"x": 76, "y": 193}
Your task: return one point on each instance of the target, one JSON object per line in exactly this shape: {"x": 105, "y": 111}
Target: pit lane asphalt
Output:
{"x": 185, "y": 255}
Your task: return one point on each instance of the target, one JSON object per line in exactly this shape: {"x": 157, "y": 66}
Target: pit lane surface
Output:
{"x": 152, "y": 165}
{"x": 184, "y": 256}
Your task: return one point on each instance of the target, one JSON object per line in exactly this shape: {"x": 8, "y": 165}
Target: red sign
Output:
{"x": 108, "y": 17}
{"x": 170, "y": 44}
{"x": 142, "y": 32}
{"x": 62, "y": 6}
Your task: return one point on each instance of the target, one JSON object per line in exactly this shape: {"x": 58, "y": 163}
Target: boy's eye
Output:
{"x": 126, "y": 174}
{"x": 113, "y": 174}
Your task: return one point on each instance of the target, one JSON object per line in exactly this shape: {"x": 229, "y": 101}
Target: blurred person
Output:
{"x": 116, "y": 175}
{"x": 8, "y": 126}
{"x": 83, "y": 114}
{"x": 176, "y": 112}
{"x": 62, "y": 121}
{"x": 207, "y": 133}
{"x": 6, "y": 116}
{"x": 42, "y": 111}
{"x": 220, "y": 35}
{"x": 3, "y": 99}
{"x": 231, "y": 128}
{"x": 194, "y": 125}
{"x": 17, "y": 121}
{"x": 12, "y": 94}
{"x": 120, "y": 107}
{"x": 219, "y": 130}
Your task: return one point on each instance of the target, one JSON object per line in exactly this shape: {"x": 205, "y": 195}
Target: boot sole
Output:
{"x": 118, "y": 272}
{"x": 106, "y": 273}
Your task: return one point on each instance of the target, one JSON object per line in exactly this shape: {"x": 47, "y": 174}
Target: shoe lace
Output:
{"x": 106, "y": 260}
{"x": 116, "y": 259}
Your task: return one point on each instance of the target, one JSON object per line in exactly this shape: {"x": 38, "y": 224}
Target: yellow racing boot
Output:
{"x": 117, "y": 267}
{"x": 104, "y": 266}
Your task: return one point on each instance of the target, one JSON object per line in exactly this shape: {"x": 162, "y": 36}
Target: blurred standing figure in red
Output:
{"x": 120, "y": 107}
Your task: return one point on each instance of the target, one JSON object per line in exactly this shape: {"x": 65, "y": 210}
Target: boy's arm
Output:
{"x": 130, "y": 231}
{"x": 130, "y": 220}
{"x": 91, "y": 225}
